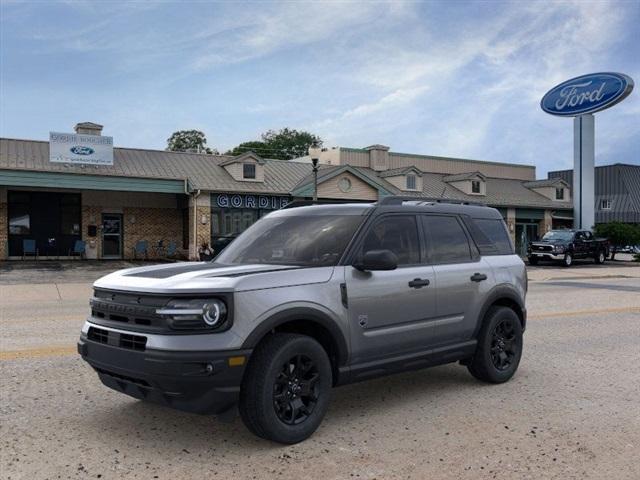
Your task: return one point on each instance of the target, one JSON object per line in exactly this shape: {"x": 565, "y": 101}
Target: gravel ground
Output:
{"x": 572, "y": 410}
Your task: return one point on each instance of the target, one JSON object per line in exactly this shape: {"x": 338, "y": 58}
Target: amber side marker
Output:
{"x": 236, "y": 361}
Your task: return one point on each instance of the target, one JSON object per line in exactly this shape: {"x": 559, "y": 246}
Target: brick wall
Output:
{"x": 151, "y": 224}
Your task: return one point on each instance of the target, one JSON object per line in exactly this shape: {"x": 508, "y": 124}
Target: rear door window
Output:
{"x": 447, "y": 241}
{"x": 398, "y": 233}
{"x": 491, "y": 236}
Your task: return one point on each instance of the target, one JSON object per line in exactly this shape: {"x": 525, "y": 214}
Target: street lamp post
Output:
{"x": 314, "y": 153}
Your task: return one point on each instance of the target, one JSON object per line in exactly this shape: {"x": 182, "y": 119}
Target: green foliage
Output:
{"x": 284, "y": 144}
{"x": 619, "y": 234}
{"x": 188, "y": 141}
{"x": 259, "y": 148}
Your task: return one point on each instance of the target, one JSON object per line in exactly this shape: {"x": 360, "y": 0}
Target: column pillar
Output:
{"x": 583, "y": 171}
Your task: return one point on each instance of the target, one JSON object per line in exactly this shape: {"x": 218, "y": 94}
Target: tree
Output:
{"x": 188, "y": 141}
{"x": 284, "y": 144}
{"x": 257, "y": 147}
{"x": 619, "y": 234}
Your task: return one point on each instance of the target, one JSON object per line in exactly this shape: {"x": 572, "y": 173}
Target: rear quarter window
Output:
{"x": 491, "y": 236}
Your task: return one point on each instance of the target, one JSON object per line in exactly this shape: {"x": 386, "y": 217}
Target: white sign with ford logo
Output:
{"x": 80, "y": 149}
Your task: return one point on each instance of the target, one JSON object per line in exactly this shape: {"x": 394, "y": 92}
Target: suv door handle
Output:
{"x": 418, "y": 283}
{"x": 478, "y": 277}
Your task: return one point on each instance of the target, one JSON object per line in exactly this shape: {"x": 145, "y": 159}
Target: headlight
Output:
{"x": 559, "y": 248}
{"x": 210, "y": 313}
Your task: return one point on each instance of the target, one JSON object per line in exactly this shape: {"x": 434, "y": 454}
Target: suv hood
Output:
{"x": 195, "y": 277}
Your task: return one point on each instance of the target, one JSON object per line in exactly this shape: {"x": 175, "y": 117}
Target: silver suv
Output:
{"x": 309, "y": 298}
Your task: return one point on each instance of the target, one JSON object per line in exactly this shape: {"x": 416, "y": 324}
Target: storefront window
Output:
{"x": 19, "y": 217}
{"x": 19, "y": 220}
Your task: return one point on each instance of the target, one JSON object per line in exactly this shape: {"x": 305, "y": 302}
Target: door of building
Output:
{"x": 525, "y": 233}
{"x": 111, "y": 235}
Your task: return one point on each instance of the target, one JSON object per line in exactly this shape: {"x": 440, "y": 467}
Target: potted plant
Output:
{"x": 205, "y": 252}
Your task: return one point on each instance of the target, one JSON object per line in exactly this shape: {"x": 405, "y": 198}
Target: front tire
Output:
{"x": 499, "y": 346}
{"x": 533, "y": 260}
{"x": 567, "y": 261}
{"x": 285, "y": 391}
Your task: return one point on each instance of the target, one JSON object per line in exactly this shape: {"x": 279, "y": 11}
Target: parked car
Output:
{"x": 310, "y": 298}
{"x": 565, "y": 246}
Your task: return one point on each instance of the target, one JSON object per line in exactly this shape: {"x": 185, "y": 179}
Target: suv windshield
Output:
{"x": 558, "y": 235}
{"x": 310, "y": 241}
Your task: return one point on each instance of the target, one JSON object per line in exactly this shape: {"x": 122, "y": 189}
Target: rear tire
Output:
{"x": 286, "y": 388}
{"x": 499, "y": 347}
{"x": 600, "y": 257}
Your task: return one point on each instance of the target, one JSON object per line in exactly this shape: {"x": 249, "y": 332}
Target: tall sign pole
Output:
{"x": 580, "y": 97}
{"x": 583, "y": 171}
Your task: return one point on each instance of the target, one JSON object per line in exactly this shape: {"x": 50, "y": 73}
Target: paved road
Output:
{"x": 572, "y": 411}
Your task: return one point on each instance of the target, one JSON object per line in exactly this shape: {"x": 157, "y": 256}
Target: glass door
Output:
{"x": 111, "y": 235}
{"x": 525, "y": 233}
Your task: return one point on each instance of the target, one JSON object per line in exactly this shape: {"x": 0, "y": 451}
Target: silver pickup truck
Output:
{"x": 309, "y": 298}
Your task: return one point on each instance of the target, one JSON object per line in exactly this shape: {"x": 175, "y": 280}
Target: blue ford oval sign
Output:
{"x": 587, "y": 94}
{"x": 80, "y": 150}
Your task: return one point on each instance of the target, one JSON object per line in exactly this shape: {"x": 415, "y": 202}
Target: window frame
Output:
{"x": 479, "y": 184}
{"x": 474, "y": 253}
{"x": 609, "y": 204}
{"x": 244, "y": 171}
{"x": 560, "y": 193}
{"x": 414, "y": 177}
{"x": 354, "y": 250}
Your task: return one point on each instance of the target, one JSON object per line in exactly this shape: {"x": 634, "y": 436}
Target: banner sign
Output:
{"x": 587, "y": 94}
{"x": 238, "y": 200}
{"x": 80, "y": 149}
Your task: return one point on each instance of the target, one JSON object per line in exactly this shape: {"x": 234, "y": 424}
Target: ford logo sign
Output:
{"x": 79, "y": 150}
{"x": 587, "y": 94}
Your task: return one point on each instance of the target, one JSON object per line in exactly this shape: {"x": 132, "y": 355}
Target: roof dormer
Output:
{"x": 472, "y": 183}
{"x": 408, "y": 179}
{"x": 554, "y": 189}
{"x": 247, "y": 167}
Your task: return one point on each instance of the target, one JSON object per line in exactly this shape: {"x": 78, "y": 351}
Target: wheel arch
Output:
{"x": 503, "y": 296}
{"x": 306, "y": 321}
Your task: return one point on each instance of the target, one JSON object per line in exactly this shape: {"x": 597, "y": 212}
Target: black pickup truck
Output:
{"x": 566, "y": 245}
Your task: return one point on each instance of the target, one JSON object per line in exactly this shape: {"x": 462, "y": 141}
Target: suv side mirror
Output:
{"x": 377, "y": 260}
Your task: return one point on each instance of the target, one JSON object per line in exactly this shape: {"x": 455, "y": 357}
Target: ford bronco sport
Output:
{"x": 309, "y": 298}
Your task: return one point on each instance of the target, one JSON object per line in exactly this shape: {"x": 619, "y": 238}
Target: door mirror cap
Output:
{"x": 377, "y": 260}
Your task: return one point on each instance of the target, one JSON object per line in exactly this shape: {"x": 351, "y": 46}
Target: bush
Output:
{"x": 619, "y": 234}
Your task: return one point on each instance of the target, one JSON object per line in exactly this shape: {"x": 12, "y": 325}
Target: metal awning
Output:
{"x": 29, "y": 178}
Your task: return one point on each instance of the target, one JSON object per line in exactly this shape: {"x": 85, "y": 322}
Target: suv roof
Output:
{"x": 395, "y": 204}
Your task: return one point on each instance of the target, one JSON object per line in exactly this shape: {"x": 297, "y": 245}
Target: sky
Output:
{"x": 446, "y": 78}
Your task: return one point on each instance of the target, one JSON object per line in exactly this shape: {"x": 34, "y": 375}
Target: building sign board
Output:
{"x": 80, "y": 149}
{"x": 237, "y": 200}
{"x": 587, "y": 94}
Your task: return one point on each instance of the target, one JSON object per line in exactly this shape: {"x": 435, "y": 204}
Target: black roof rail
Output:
{"x": 306, "y": 203}
{"x": 399, "y": 200}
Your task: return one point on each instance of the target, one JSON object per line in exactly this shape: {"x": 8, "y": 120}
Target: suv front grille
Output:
{"x": 122, "y": 340}
{"x": 129, "y": 311}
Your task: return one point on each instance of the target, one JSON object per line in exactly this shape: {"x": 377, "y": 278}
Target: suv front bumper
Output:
{"x": 197, "y": 382}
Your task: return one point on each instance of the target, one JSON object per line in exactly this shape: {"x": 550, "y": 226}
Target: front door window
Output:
{"x": 112, "y": 235}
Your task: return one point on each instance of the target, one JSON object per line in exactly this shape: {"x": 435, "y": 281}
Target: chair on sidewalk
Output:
{"x": 141, "y": 248}
{"x": 79, "y": 248}
{"x": 29, "y": 248}
{"x": 172, "y": 248}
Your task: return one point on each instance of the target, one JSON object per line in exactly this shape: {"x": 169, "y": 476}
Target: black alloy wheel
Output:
{"x": 286, "y": 388}
{"x": 499, "y": 347}
{"x": 503, "y": 345}
{"x": 296, "y": 390}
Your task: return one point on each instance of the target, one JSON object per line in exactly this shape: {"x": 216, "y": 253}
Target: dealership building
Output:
{"x": 112, "y": 199}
